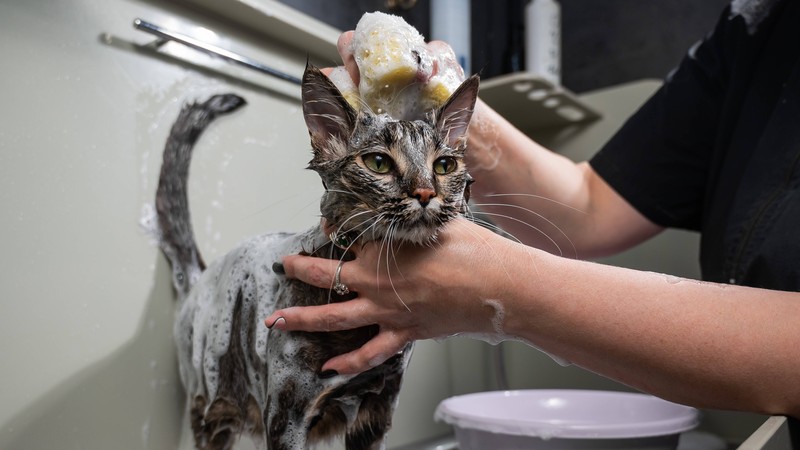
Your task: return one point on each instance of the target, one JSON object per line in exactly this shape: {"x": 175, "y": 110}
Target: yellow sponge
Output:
{"x": 397, "y": 69}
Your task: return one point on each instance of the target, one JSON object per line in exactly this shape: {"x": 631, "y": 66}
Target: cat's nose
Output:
{"x": 423, "y": 195}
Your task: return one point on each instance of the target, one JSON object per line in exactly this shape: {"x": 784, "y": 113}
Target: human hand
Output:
{"x": 410, "y": 292}
{"x": 345, "y": 48}
{"x": 444, "y": 59}
{"x": 379, "y": 74}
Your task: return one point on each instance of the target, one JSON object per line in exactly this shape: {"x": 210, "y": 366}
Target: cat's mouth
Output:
{"x": 421, "y": 229}
{"x": 417, "y": 223}
{"x": 406, "y": 221}
{"x": 416, "y": 236}
{"x": 420, "y": 235}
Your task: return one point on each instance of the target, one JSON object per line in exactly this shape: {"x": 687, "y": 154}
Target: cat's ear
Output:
{"x": 452, "y": 119}
{"x": 329, "y": 118}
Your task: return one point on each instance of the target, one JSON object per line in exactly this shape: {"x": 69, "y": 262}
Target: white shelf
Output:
{"x": 280, "y": 22}
{"x": 532, "y": 103}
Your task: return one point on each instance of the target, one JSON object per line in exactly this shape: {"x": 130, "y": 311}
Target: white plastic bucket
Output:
{"x": 565, "y": 419}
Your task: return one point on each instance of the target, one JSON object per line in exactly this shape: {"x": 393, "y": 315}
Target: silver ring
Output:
{"x": 339, "y": 287}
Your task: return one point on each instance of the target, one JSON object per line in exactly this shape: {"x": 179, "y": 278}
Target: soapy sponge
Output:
{"x": 400, "y": 75}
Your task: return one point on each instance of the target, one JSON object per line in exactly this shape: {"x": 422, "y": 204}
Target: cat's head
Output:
{"x": 383, "y": 177}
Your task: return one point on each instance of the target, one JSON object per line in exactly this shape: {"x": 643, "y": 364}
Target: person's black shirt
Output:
{"x": 717, "y": 148}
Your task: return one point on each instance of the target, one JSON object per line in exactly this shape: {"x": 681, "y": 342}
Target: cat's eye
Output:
{"x": 444, "y": 165}
{"x": 377, "y": 162}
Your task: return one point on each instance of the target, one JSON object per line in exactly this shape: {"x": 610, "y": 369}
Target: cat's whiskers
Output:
{"x": 341, "y": 191}
{"x": 540, "y": 197}
{"x": 375, "y": 220}
{"x": 434, "y": 243}
{"x": 384, "y": 241}
{"x": 364, "y": 106}
{"x": 389, "y": 239}
{"x": 339, "y": 230}
{"x": 494, "y": 251}
{"x": 289, "y": 198}
{"x": 353, "y": 216}
{"x": 529, "y": 225}
{"x": 496, "y": 228}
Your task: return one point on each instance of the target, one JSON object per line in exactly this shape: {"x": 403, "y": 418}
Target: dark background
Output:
{"x": 604, "y": 42}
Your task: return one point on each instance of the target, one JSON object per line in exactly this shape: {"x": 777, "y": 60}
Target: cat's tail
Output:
{"x": 172, "y": 204}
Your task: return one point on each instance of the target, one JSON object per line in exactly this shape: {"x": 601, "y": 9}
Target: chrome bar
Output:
{"x": 166, "y": 35}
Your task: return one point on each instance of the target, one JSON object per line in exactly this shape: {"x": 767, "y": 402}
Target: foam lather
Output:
{"x": 400, "y": 75}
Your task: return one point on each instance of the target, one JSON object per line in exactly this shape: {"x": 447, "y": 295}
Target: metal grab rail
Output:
{"x": 165, "y": 35}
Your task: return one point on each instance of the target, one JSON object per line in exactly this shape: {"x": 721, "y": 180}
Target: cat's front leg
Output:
{"x": 374, "y": 419}
{"x": 289, "y": 389}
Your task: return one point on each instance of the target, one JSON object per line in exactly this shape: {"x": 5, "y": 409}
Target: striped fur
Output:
{"x": 242, "y": 378}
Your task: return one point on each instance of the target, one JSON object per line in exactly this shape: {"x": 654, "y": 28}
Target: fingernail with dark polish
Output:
{"x": 328, "y": 374}
{"x": 278, "y": 268}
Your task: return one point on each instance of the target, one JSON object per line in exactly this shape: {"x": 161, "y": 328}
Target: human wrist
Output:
{"x": 483, "y": 150}
{"x": 522, "y": 294}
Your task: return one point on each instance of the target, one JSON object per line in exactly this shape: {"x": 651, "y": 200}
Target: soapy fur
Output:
{"x": 240, "y": 376}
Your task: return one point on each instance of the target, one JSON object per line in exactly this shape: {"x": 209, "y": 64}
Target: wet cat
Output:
{"x": 384, "y": 180}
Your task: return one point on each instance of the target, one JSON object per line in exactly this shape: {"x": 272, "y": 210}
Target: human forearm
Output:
{"x": 523, "y": 186}
{"x": 544, "y": 199}
{"x": 699, "y": 343}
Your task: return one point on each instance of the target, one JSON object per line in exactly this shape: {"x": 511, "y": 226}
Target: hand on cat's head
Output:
{"x": 345, "y": 47}
{"x": 445, "y": 58}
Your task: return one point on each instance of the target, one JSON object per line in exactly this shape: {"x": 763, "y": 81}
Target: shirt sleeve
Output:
{"x": 659, "y": 160}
